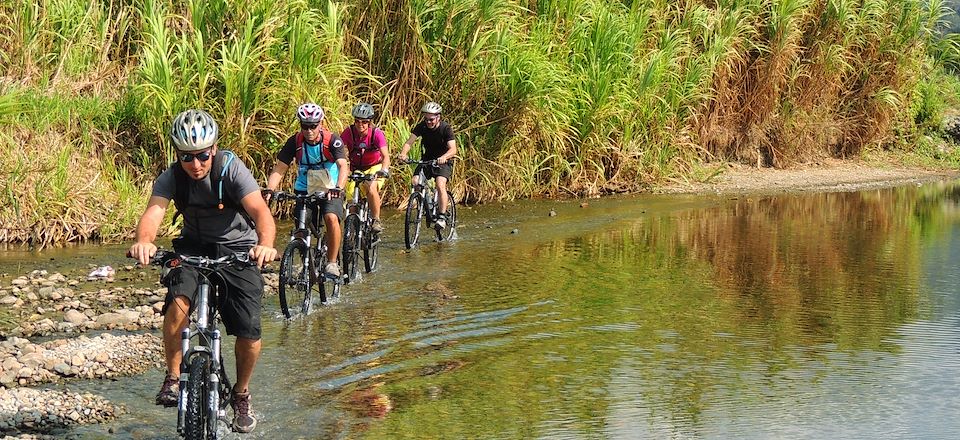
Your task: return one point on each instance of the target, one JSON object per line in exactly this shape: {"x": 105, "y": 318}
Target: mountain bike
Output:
{"x": 205, "y": 389}
{"x": 301, "y": 263}
{"x": 358, "y": 234}
{"x": 423, "y": 204}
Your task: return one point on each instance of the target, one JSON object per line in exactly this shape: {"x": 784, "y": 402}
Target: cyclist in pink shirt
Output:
{"x": 367, "y": 151}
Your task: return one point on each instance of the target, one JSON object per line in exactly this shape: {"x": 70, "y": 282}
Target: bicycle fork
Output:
{"x": 212, "y": 350}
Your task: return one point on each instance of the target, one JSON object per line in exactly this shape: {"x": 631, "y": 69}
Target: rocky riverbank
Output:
{"x": 94, "y": 328}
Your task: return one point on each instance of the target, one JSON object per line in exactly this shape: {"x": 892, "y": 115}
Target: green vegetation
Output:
{"x": 551, "y": 98}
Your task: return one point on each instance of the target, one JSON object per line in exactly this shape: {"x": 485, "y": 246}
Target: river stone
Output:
{"x": 11, "y": 364}
{"x": 20, "y": 282}
{"x": 32, "y": 360}
{"x": 74, "y": 317}
{"x": 57, "y": 278}
{"x": 25, "y": 373}
{"x": 9, "y": 300}
{"x": 111, "y": 319}
{"x": 63, "y": 369}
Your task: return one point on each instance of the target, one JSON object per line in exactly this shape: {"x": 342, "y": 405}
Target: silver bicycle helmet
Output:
{"x": 432, "y": 108}
{"x": 310, "y": 113}
{"x": 363, "y": 111}
{"x": 194, "y": 130}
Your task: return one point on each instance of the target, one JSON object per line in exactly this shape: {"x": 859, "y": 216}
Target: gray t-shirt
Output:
{"x": 228, "y": 227}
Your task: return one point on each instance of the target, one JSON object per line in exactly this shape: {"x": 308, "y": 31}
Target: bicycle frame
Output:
{"x": 204, "y": 327}
{"x": 358, "y": 230}
{"x": 358, "y": 203}
{"x": 428, "y": 192}
{"x": 301, "y": 237}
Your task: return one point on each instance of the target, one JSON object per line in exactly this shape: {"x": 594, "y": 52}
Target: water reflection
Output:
{"x": 798, "y": 316}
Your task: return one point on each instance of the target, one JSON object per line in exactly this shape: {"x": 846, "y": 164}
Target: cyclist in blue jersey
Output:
{"x": 321, "y": 166}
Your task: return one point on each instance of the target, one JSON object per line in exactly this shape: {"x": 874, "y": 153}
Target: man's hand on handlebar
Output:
{"x": 267, "y": 195}
{"x": 383, "y": 173}
{"x": 263, "y": 254}
{"x": 334, "y": 193}
{"x": 142, "y": 252}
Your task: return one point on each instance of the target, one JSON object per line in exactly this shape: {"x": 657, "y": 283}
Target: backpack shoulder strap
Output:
{"x": 298, "y": 141}
{"x": 181, "y": 188}
{"x": 327, "y": 135}
{"x": 220, "y": 164}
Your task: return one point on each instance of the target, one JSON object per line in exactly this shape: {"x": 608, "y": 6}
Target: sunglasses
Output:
{"x": 362, "y": 121}
{"x": 308, "y": 126}
{"x": 189, "y": 157}
{"x": 431, "y": 118}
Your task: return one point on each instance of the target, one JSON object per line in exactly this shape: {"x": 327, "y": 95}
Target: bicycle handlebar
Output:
{"x": 173, "y": 259}
{"x": 314, "y": 198}
{"x": 427, "y": 162}
{"x": 358, "y": 176}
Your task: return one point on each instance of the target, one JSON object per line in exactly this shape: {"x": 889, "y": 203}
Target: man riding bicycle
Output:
{"x": 368, "y": 153}
{"x": 223, "y": 213}
{"x": 321, "y": 166}
{"x": 439, "y": 143}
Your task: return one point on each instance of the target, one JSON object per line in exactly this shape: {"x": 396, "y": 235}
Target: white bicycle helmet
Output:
{"x": 310, "y": 113}
{"x": 432, "y": 108}
{"x": 363, "y": 111}
{"x": 194, "y": 130}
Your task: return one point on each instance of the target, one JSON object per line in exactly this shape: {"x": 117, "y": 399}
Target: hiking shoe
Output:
{"x": 332, "y": 269}
{"x": 243, "y": 420}
{"x": 169, "y": 392}
{"x": 441, "y": 222}
{"x": 376, "y": 226}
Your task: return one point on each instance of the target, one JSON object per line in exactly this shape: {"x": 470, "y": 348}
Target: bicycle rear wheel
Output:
{"x": 296, "y": 279}
{"x": 450, "y": 231}
{"x": 351, "y": 248}
{"x": 411, "y": 227}
{"x": 197, "y": 417}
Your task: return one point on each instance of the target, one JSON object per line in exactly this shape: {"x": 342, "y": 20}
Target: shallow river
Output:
{"x": 793, "y": 316}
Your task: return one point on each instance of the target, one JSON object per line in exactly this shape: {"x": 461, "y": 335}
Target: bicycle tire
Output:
{"x": 448, "y": 232}
{"x": 351, "y": 248}
{"x": 334, "y": 288}
{"x": 411, "y": 227}
{"x": 196, "y": 423}
{"x": 296, "y": 279}
{"x": 371, "y": 252}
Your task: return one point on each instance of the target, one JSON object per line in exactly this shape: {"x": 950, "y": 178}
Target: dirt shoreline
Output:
{"x": 826, "y": 176}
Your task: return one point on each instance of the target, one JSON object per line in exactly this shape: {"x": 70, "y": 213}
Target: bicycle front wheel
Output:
{"x": 371, "y": 252}
{"x": 411, "y": 227}
{"x": 351, "y": 248}
{"x": 197, "y": 416}
{"x": 296, "y": 279}
{"x": 450, "y": 231}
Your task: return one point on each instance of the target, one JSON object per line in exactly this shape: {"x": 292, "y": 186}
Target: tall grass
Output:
{"x": 554, "y": 97}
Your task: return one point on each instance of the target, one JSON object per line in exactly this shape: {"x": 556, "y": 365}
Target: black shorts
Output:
{"x": 240, "y": 291}
{"x": 445, "y": 170}
{"x": 334, "y": 206}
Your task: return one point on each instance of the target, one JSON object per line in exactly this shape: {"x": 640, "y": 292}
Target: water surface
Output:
{"x": 813, "y": 316}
